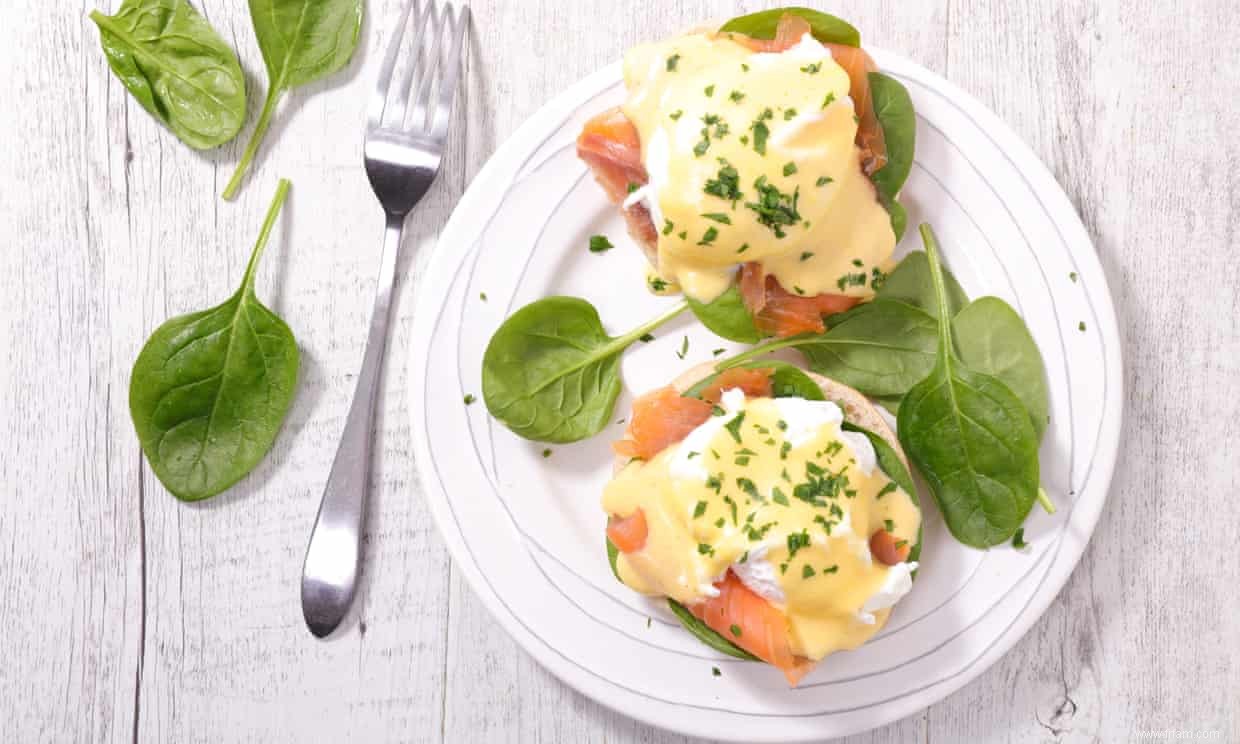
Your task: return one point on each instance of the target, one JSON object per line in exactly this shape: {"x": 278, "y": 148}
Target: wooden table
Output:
{"x": 130, "y": 616}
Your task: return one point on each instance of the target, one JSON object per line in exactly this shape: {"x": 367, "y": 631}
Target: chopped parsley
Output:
{"x": 668, "y": 226}
{"x": 469, "y": 398}
{"x": 709, "y": 90}
{"x": 632, "y": 187}
{"x": 775, "y": 208}
{"x": 823, "y": 180}
{"x": 701, "y": 147}
{"x": 720, "y": 522}
{"x": 830, "y": 99}
{"x": 725, "y": 184}
{"x": 1072, "y": 276}
{"x": 600, "y": 244}
{"x": 684, "y": 348}
{"x": 744, "y": 247}
{"x": 807, "y": 571}
{"x": 709, "y": 236}
{"x": 683, "y": 234}
{"x": 736, "y": 630}
{"x": 732, "y": 506}
{"x": 734, "y": 426}
{"x": 546, "y": 453}
{"x": 699, "y": 510}
{"x": 482, "y": 296}
{"x": 719, "y": 217}
{"x": 715, "y": 671}
{"x": 784, "y": 449}
{"x": 889, "y": 488}
{"x": 657, "y": 283}
{"x": 778, "y": 496}
{"x": 675, "y": 115}
{"x": 806, "y": 255}
{"x": 833, "y": 568}
{"x": 717, "y": 352}
{"x": 790, "y": 168}
{"x": 760, "y": 131}
{"x": 736, "y": 96}
{"x": 812, "y": 68}
{"x": 889, "y": 525}
{"x": 672, "y": 61}
{"x": 1080, "y": 326}
{"x": 705, "y": 549}
{"x": 646, "y": 337}
{"x": 790, "y": 114}
{"x": 851, "y": 280}
{"x": 744, "y": 67}
{"x": 714, "y": 482}
{"x": 796, "y": 541}
{"x": 749, "y": 488}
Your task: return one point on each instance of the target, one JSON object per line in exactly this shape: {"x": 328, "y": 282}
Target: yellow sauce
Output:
{"x": 697, "y": 89}
{"x": 747, "y": 508}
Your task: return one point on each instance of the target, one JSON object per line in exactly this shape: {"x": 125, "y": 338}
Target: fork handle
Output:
{"x": 333, "y": 558}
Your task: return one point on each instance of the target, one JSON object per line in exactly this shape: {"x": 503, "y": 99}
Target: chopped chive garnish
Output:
{"x": 699, "y": 510}
{"x": 469, "y": 398}
{"x": 672, "y": 61}
{"x": 736, "y": 630}
{"x": 719, "y": 217}
{"x": 600, "y": 243}
{"x": 823, "y": 180}
{"x": 807, "y": 571}
{"x": 790, "y": 168}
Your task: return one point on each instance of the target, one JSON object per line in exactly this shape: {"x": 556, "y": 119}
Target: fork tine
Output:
{"x": 426, "y": 78}
{"x": 379, "y": 98}
{"x": 400, "y": 104}
{"x": 452, "y": 73}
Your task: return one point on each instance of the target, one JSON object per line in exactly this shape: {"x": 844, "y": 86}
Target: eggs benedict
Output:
{"x": 772, "y": 507}
{"x": 747, "y": 168}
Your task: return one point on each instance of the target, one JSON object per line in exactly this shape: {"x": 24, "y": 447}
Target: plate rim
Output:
{"x": 1039, "y": 179}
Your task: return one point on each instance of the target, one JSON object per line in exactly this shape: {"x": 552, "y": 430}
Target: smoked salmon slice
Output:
{"x": 660, "y": 419}
{"x": 746, "y": 619}
{"x": 778, "y": 312}
{"x": 610, "y": 145}
{"x": 628, "y": 534}
{"x": 754, "y": 383}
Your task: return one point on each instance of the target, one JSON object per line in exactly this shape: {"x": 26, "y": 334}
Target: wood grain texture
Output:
{"x": 129, "y": 616}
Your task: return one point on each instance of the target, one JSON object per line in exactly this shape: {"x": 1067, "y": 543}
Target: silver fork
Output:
{"x": 404, "y": 144}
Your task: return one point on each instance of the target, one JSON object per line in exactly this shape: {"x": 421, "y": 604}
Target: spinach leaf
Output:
{"x": 727, "y": 317}
{"x": 992, "y": 338}
{"x": 881, "y": 348}
{"x": 894, "y": 110}
{"x": 550, "y": 373}
{"x": 706, "y": 634}
{"x": 897, "y": 213}
{"x": 891, "y": 464}
{"x": 302, "y": 41}
{"x": 177, "y": 67}
{"x": 209, "y": 390}
{"x": 910, "y": 282}
{"x": 971, "y": 438}
{"x": 612, "y": 553}
{"x": 826, "y": 28}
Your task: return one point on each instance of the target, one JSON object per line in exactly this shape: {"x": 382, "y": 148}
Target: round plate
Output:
{"x": 523, "y": 521}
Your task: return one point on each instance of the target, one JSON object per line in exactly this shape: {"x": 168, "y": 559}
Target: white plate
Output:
{"x": 527, "y": 531}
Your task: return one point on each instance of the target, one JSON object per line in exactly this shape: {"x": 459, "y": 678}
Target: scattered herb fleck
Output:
{"x": 600, "y": 244}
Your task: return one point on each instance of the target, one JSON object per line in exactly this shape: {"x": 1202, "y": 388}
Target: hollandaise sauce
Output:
{"x": 751, "y": 157}
{"x": 774, "y": 491}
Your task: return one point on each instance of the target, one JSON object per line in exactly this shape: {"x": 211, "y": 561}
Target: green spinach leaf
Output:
{"x": 992, "y": 338}
{"x": 897, "y": 213}
{"x": 302, "y": 41}
{"x": 177, "y": 67}
{"x": 826, "y": 28}
{"x": 970, "y": 437}
{"x": 910, "y": 282}
{"x": 891, "y": 464}
{"x": 881, "y": 348}
{"x": 210, "y": 390}
{"x": 894, "y": 110}
{"x": 727, "y": 317}
{"x": 552, "y": 374}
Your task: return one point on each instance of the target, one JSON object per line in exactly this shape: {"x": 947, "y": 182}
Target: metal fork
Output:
{"x": 403, "y": 147}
